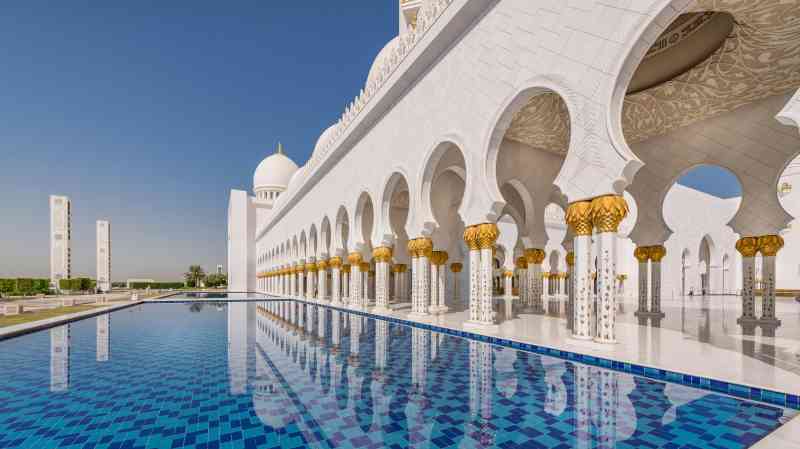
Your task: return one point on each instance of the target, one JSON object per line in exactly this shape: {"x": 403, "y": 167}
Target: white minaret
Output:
{"x": 103, "y": 256}
{"x": 60, "y": 237}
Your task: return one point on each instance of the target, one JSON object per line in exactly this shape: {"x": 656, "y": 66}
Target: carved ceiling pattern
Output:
{"x": 760, "y": 59}
{"x": 542, "y": 123}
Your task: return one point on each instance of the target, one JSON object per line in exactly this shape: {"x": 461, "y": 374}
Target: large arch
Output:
{"x": 325, "y": 237}
{"x": 303, "y": 254}
{"x": 445, "y": 156}
{"x": 342, "y": 232}
{"x": 364, "y": 224}
{"x": 313, "y": 242}
{"x": 395, "y": 207}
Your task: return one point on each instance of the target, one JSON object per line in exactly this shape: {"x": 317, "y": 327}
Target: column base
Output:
{"x": 582, "y": 337}
{"x": 769, "y": 322}
{"x": 649, "y": 314}
{"x": 747, "y": 321}
{"x": 381, "y": 310}
{"x": 480, "y": 325}
{"x": 604, "y": 342}
{"x": 438, "y": 310}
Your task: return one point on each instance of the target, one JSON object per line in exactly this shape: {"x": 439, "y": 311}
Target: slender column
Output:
{"x": 412, "y": 251}
{"x": 382, "y": 256}
{"x": 535, "y": 257}
{"x": 397, "y": 282}
{"x": 481, "y": 239}
{"x": 656, "y": 254}
{"x": 322, "y": 278}
{"x": 570, "y": 284}
{"x": 748, "y": 247}
{"x": 364, "y": 273}
{"x": 301, "y": 281}
{"x": 769, "y": 245}
{"x": 425, "y": 284}
{"x": 336, "y": 279}
{"x": 456, "y": 268}
{"x": 434, "y": 285}
{"x": 355, "y": 260}
{"x": 311, "y": 282}
{"x": 442, "y": 282}
{"x": 607, "y": 212}
{"x": 508, "y": 285}
{"x": 471, "y": 239}
{"x": 642, "y": 255}
{"x": 579, "y": 218}
{"x": 521, "y": 264}
{"x": 346, "y": 284}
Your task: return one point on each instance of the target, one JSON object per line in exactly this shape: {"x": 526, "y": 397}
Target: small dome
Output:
{"x": 275, "y": 170}
{"x": 383, "y": 55}
{"x": 323, "y": 139}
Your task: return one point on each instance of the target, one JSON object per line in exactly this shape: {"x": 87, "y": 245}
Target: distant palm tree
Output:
{"x": 194, "y": 275}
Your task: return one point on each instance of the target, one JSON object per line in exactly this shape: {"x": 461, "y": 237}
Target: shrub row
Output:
{"x": 24, "y": 286}
{"x": 77, "y": 284}
{"x": 156, "y": 285}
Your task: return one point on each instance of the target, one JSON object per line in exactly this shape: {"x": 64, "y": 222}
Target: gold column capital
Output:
{"x": 382, "y": 254}
{"x": 534, "y": 255}
{"x": 508, "y": 273}
{"x": 570, "y": 259}
{"x": 355, "y": 258}
{"x": 608, "y": 211}
{"x": 487, "y": 234}
{"x": 335, "y": 262}
{"x": 579, "y": 217}
{"x": 769, "y": 245}
{"x": 747, "y": 246}
{"x": 456, "y": 267}
{"x": 311, "y": 267}
{"x": 363, "y": 267}
{"x": 439, "y": 257}
{"x": 521, "y": 263}
{"x": 424, "y": 247}
{"x": 322, "y": 264}
{"x": 642, "y": 254}
{"x": 412, "y": 247}
{"x": 346, "y": 268}
{"x": 656, "y": 252}
{"x": 471, "y": 237}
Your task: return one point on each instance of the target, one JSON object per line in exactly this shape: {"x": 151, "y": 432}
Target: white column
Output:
{"x": 346, "y": 285}
{"x": 769, "y": 245}
{"x": 301, "y": 279}
{"x": 508, "y": 283}
{"x": 412, "y": 250}
{"x": 579, "y": 219}
{"x": 434, "y": 295}
{"x": 398, "y": 289}
{"x": 336, "y": 279}
{"x": 443, "y": 286}
{"x": 656, "y": 254}
{"x": 642, "y": 255}
{"x": 455, "y": 268}
{"x": 322, "y": 279}
{"x": 474, "y": 278}
{"x": 382, "y": 256}
{"x": 424, "y": 284}
{"x": 607, "y": 212}
{"x": 748, "y": 247}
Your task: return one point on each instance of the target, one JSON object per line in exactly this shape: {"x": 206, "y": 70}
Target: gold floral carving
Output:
{"x": 335, "y": 262}
{"x": 534, "y": 256}
{"x": 608, "y": 211}
{"x": 382, "y": 254}
{"x": 487, "y": 234}
{"x": 354, "y": 258}
{"x": 769, "y": 245}
{"x": 508, "y": 273}
{"x": 456, "y": 267}
{"x": 642, "y": 254}
{"x": 747, "y": 246}
{"x": 363, "y": 267}
{"x": 521, "y": 263}
{"x": 424, "y": 247}
{"x": 657, "y": 252}
{"x": 322, "y": 265}
{"x": 346, "y": 268}
{"x": 579, "y": 217}
{"x": 571, "y": 259}
{"x": 471, "y": 237}
{"x": 311, "y": 267}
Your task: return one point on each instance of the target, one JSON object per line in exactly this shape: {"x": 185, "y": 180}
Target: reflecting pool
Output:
{"x": 284, "y": 374}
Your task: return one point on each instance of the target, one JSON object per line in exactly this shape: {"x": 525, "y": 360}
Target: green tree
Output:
{"x": 194, "y": 276}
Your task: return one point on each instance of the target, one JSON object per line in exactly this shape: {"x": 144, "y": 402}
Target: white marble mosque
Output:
{"x": 516, "y": 161}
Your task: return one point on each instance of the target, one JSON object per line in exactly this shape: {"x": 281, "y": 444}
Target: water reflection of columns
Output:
{"x": 335, "y": 330}
{"x": 420, "y": 353}
{"x": 480, "y": 393}
{"x": 59, "y": 358}
{"x": 237, "y": 323}
{"x": 103, "y": 337}
{"x": 381, "y": 344}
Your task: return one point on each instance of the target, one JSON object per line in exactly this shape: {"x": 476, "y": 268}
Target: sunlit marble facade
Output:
{"x": 548, "y": 139}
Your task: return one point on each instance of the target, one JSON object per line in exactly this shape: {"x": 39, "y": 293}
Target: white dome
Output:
{"x": 383, "y": 55}
{"x": 275, "y": 170}
{"x": 323, "y": 139}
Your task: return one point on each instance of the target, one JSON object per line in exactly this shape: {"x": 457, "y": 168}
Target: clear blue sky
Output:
{"x": 148, "y": 113}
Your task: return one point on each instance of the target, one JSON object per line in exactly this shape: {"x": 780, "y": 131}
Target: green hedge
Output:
{"x": 156, "y": 285}
{"x": 24, "y": 286}
{"x": 77, "y": 284}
